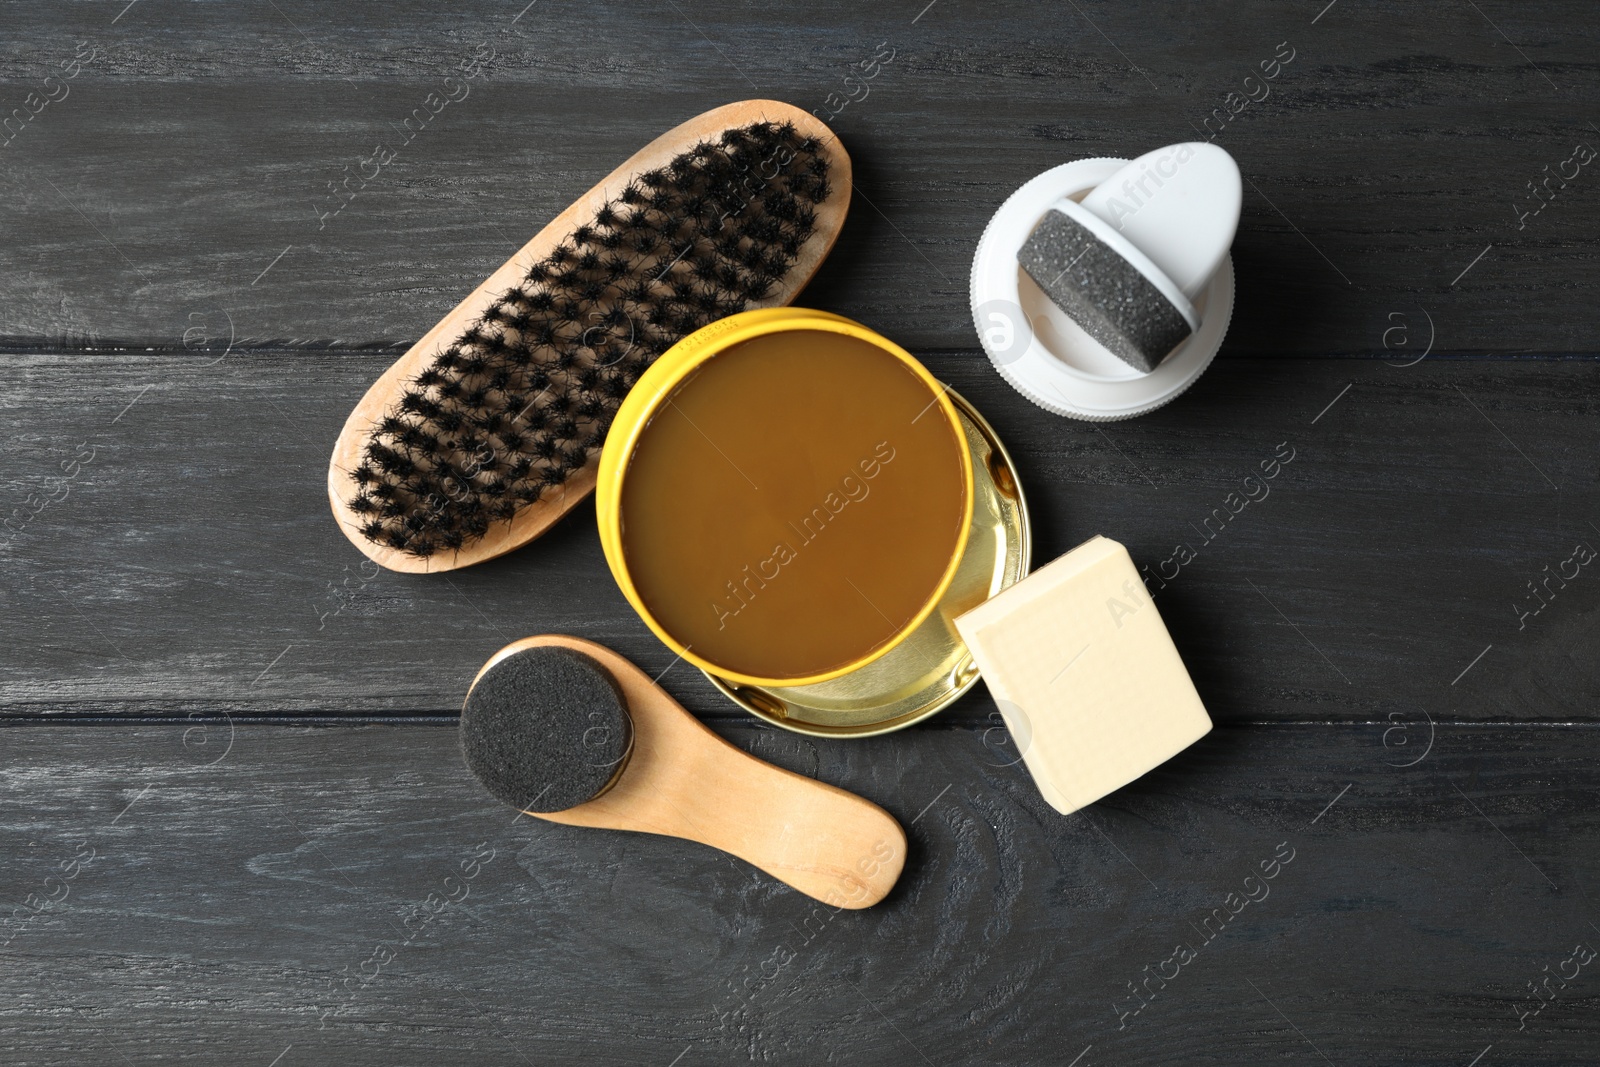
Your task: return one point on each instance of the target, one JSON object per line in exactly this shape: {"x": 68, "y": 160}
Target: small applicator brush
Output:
{"x": 569, "y": 731}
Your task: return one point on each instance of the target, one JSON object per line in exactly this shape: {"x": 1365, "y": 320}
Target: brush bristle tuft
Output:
{"x": 504, "y": 414}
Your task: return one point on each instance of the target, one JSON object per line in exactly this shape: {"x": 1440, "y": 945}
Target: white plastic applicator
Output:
{"x": 1178, "y": 205}
{"x": 1110, "y": 258}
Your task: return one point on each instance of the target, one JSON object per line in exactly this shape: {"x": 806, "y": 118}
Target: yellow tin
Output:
{"x": 657, "y": 385}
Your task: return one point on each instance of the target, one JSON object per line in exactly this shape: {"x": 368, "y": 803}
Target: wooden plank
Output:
{"x": 179, "y": 184}
{"x": 193, "y": 562}
{"x": 280, "y": 901}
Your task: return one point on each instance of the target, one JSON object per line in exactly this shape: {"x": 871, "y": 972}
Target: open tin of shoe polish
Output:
{"x": 793, "y": 504}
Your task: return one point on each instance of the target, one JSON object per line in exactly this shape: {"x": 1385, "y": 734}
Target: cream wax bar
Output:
{"x": 1085, "y": 674}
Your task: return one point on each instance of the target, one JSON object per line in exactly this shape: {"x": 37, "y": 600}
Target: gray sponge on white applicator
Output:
{"x": 1127, "y": 262}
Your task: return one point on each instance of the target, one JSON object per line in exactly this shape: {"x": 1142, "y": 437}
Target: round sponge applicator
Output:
{"x": 546, "y": 729}
{"x": 569, "y": 732}
{"x": 1112, "y": 289}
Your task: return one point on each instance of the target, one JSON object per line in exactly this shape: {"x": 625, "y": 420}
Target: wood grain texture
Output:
{"x": 196, "y": 873}
{"x": 180, "y": 182}
{"x": 192, "y": 562}
{"x": 296, "y": 893}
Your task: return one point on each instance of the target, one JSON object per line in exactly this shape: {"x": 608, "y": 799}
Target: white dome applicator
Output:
{"x": 1102, "y": 288}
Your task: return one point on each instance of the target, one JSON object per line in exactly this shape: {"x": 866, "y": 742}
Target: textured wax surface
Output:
{"x": 794, "y": 505}
{"x": 545, "y": 729}
{"x": 1102, "y": 292}
{"x": 518, "y": 403}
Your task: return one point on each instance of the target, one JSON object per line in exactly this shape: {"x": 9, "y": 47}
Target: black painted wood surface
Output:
{"x": 197, "y": 147}
{"x": 1397, "y": 543}
{"x": 233, "y": 814}
{"x": 293, "y": 890}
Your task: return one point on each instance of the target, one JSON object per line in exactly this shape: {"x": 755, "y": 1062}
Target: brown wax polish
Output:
{"x": 794, "y": 504}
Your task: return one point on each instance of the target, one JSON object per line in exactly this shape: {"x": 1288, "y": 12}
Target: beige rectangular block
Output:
{"x": 1089, "y": 682}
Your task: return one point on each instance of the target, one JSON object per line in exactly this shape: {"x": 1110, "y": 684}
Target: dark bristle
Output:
{"x": 520, "y": 400}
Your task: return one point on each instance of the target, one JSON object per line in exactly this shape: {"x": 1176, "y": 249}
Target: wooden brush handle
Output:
{"x": 684, "y": 781}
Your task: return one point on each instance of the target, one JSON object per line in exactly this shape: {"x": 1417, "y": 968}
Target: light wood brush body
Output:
{"x": 419, "y": 486}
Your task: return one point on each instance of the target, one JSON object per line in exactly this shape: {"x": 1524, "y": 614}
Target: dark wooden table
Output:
{"x": 233, "y": 807}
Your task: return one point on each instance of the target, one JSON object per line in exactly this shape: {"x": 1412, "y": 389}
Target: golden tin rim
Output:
{"x": 658, "y": 383}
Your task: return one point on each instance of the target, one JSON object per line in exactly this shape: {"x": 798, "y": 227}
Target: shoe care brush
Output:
{"x": 489, "y": 429}
{"x": 569, "y": 731}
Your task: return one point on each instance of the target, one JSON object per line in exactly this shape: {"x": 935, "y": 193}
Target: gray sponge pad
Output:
{"x": 1102, "y": 292}
{"x": 546, "y": 729}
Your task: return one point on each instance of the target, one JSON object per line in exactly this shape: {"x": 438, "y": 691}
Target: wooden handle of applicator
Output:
{"x": 682, "y": 780}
